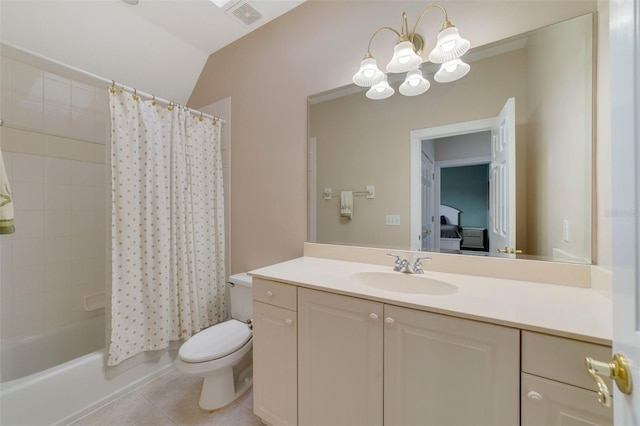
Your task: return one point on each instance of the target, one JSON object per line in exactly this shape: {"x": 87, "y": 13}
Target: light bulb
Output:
{"x": 369, "y": 73}
{"x": 448, "y": 46}
{"x": 451, "y": 67}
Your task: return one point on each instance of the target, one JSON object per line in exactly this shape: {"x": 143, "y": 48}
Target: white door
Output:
{"x": 625, "y": 137}
{"x": 428, "y": 213}
{"x": 502, "y": 179}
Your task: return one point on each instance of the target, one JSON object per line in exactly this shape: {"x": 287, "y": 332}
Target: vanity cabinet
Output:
{"x": 441, "y": 370}
{"x": 358, "y": 356}
{"x": 340, "y": 349}
{"x": 275, "y": 354}
{"x": 556, "y": 389}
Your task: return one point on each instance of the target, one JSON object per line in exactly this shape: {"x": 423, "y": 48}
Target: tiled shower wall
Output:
{"x": 52, "y": 141}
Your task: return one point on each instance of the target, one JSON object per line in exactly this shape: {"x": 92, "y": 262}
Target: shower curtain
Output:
{"x": 167, "y": 233}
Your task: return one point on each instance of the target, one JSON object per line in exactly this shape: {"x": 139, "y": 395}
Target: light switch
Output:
{"x": 392, "y": 220}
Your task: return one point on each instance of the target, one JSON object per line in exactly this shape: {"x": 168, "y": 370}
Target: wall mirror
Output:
{"x": 422, "y": 170}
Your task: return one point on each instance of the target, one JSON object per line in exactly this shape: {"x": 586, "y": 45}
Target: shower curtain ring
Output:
{"x": 201, "y": 116}
{"x": 153, "y": 100}
{"x": 113, "y": 87}
{"x": 135, "y": 94}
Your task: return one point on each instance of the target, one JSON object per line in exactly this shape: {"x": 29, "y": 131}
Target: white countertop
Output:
{"x": 565, "y": 311}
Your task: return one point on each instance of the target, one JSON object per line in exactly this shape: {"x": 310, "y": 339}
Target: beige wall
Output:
{"x": 270, "y": 73}
{"x": 556, "y": 158}
{"x": 361, "y": 142}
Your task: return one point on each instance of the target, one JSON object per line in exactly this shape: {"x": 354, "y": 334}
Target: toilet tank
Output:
{"x": 241, "y": 297}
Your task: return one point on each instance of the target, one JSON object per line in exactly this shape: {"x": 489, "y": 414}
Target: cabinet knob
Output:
{"x": 373, "y": 317}
{"x": 534, "y": 396}
{"x": 269, "y": 293}
{"x": 288, "y": 321}
{"x": 390, "y": 322}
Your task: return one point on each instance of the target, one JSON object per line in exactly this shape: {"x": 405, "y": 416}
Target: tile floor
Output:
{"x": 168, "y": 401}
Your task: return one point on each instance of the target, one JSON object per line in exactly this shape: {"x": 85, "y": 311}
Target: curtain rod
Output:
{"x": 137, "y": 92}
{"x": 109, "y": 82}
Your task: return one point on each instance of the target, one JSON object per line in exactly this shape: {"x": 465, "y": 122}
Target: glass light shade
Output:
{"x": 415, "y": 84}
{"x": 368, "y": 74}
{"x": 450, "y": 46}
{"x": 381, "y": 90}
{"x": 404, "y": 58}
{"x": 451, "y": 71}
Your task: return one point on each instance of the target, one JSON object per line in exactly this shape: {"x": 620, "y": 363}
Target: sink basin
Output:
{"x": 404, "y": 283}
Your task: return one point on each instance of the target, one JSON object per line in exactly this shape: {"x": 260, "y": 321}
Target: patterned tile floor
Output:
{"x": 168, "y": 401}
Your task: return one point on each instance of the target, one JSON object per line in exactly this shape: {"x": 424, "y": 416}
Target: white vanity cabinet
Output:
{"x": 556, "y": 389}
{"x": 358, "y": 356}
{"x": 275, "y": 354}
{"x": 441, "y": 370}
{"x": 340, "y": 349}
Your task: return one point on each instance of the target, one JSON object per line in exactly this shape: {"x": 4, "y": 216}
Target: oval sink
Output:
{"x": 404, "y": 283}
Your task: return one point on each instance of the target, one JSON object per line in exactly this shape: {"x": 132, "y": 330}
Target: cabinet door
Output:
{"x": 340, "y": 360}
{"x": 546, "y": 402}
{"x": 441, "y": 370}
{"x": 275, "y": 364}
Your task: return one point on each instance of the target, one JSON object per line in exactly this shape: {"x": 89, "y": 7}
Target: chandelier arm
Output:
{"x": 446, "y": 24}
{"x": 375, "y": 34}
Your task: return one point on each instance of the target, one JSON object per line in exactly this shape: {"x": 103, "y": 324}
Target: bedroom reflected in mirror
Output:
{"x": 499, "y": 164}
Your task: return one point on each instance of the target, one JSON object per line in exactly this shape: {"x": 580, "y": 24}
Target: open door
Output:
{"x": 502, "y": 183}
{"x": 625, "y": 134}
{"x": 428, "y": 212}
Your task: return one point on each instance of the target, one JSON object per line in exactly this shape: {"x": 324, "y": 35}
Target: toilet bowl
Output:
{"x": 222, "y": 353}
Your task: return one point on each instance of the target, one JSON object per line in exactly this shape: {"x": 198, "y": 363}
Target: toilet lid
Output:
{"x": 215, "y": 342}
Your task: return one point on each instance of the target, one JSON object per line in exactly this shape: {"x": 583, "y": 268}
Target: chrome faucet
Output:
{"x": 403, "y": 265}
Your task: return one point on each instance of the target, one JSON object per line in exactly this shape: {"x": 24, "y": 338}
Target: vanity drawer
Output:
{"x": 561, "y": 359}
{"x": 274, "y": 293}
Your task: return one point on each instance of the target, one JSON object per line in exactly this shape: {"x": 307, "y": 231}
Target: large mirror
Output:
{"x": 423, "y": 173}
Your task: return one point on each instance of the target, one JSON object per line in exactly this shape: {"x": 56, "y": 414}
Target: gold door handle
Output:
{"x": 510, "y": 250}
{"x": 618, "y": 370}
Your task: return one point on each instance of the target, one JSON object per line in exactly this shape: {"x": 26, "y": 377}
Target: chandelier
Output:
{"x": 406, "y": 58}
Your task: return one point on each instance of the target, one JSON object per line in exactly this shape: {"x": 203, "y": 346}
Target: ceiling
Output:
{"x": 156, "y": 46}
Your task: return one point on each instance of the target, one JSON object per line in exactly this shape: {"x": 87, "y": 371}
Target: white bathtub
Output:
{"x": 20, "y": 357}
{"x": 65, "y": 392}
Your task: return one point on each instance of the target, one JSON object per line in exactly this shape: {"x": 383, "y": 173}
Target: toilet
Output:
{"x": 222, "y": 353}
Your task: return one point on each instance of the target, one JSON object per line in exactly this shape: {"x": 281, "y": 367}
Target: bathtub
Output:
{"x": 65, "y": 392}
{"x": 20, "y": 357}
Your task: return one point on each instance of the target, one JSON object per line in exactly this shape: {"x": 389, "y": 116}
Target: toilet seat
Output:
{"x": 215, "y": 342}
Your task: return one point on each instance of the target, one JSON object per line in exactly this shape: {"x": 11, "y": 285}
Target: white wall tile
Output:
{"x": 83, "y": 222}
{"x": 57, "y": 170}
{"x": 26, "y": 113}
{"x": 83, "y": 97}
{"x": 28, "y": 168}
{"x": 84, "y": 272}
{"x": 27, "y": 196}
{"x": 5, "y": 89}
{"x": 57, "y": 250}
{"x": 83, "y": 198}
{"x": 57, "y": 197}
{"x": 57, "y": 275}
{"x": 8, "y": 164}
{"x": 57, "y": 309}
{"x": 82, "y": 173}
{"x": 28, "y": 252}
{"x": 27, "y": 80}
{"x": 28, "y": 280}
{"x": 57, "y": 120}
{"x": 83, "y": 247}
{"x": 57, "y": 223}
{"x": 57, "y": 91}
{"x": 83, "y": 125}
{"x": 6, "y": 252}
{"x": 29, "y": 224}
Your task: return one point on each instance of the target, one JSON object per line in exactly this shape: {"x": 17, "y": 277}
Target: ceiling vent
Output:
{"x": 245, "y": 12}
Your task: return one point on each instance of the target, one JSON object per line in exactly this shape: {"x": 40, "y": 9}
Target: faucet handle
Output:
{"x": 398, "y": 261}
{"x": 417, "y": 265}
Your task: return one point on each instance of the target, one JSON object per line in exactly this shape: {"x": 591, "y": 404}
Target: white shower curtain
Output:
{"x": 167, "y": 233}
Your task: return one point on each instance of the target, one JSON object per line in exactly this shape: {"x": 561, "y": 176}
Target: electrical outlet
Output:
{"x": 565, "y": 230}
{"x": 392, "y": 220}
